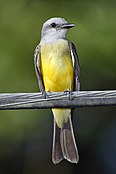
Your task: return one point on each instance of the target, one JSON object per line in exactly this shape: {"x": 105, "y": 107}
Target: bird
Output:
{"x": 57, "y": 70}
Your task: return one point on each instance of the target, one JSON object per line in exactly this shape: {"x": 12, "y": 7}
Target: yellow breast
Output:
{"x": 56, "y": 66}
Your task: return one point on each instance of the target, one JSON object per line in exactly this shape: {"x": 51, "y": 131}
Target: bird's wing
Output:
{"x": 76, "y": 66}
{"x": 37, "y": 63}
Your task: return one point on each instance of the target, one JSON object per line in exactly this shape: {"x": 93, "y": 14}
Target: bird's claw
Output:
{"x": 46, "y": 94}
{"x": 69, "y": 93}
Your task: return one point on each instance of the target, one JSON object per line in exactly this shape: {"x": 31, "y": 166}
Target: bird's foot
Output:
{"x": 46, "y": 94}
{"x": 69, "y": 93}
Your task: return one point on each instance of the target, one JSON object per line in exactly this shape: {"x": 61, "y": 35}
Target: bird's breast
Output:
{"x": 56, "y": 66}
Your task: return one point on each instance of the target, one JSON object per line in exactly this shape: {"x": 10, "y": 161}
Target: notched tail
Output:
{"x": 64, "y": 145}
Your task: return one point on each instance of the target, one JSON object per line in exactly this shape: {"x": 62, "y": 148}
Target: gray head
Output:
{"x": 54, "y": 29}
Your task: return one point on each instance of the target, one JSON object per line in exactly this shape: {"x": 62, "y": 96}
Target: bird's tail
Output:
{"x": 64, "y": 145}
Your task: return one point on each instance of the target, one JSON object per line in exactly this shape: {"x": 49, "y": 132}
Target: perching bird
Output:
{"x": 57, "y": 69}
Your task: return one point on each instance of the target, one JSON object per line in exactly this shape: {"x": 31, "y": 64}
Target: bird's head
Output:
{"x": 54, "y": 29}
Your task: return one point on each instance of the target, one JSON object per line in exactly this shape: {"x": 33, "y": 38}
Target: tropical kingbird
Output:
{"x": 57, "y": 69}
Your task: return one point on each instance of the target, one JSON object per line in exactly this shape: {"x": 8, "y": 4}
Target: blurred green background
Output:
{"x": 26, "y": 135}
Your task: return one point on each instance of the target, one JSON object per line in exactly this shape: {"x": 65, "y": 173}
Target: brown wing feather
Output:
{"x": 37, "y": 63}
{"x": 76, "y": 66}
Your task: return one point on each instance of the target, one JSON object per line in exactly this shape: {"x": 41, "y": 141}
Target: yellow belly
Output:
{"x": 57, "y": 73}
{"x": 56, "y": 66}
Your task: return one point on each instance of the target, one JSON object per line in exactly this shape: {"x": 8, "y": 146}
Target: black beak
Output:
{"x": 67, "y": 25}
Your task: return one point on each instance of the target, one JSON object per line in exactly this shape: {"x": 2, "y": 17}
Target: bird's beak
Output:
{"x": 67, "y": 25}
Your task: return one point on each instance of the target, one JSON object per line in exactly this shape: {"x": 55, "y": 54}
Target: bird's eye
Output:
{"x": 53, "y": 25}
